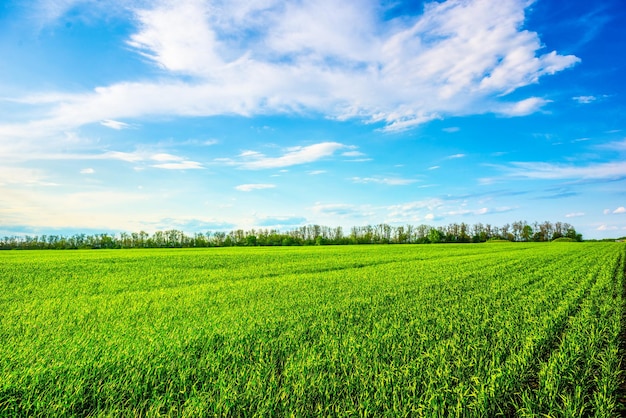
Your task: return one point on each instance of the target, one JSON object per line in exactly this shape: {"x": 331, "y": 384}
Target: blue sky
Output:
{"x": 213, "y": 115}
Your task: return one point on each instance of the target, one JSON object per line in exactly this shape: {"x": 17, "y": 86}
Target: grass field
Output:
{"x": 430, "y": 330}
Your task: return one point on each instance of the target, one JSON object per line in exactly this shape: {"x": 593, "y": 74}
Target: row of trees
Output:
{"x": 305, "y": 235}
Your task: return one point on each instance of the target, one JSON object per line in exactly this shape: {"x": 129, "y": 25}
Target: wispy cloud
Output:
{"x": 280, "y": 221}
{"x": 455, "y": 156}
{"x": 350, "y": 63}
{"x": 23, "y": 176}
{"x": 182, "y": 165}
{"x": 254, "y": 160}
{"x": 524, "y": 107}
{"x": 114, "y": 124}
{"x": 342, "y": 210}
{"x": 254, "y": 186}
{"x": 575, "y": 214}
{"x": 615, "y": 145}
{"x": 414, "y": 211}
{"x": 548, "y": 171}
{"x": 87, "y": 171}
{"x": 353, "y": 154}
{"x": 584, "y": 99}
{"x": 389, "y": 181}
{"x": 605, "y": 227}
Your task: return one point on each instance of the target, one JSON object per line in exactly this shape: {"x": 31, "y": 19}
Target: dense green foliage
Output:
{"x": 304, "y": 235}
{"x": 453, "y": 330}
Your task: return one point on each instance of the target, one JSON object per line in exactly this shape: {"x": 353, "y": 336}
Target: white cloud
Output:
{"x": 621, "y": 209}
{"x": 254, "y": 160}
{"x": 23, "y": 176}
{"x": 256, "y": 186}
{"x": 317, "y": 172}
{"x": 333, "y": 211}
{"x": 455, "y": 156}
{"x": 575, "y": 214}
{"x": 165, "y": 157}
{"x": 414, "y": 211}
{"x": 183, "y": 165}
{"x": 547, "y": 171}
{"x": 276, "y": 56}
{"x": 464, "y": 212}
{"x": 605, "y": 227}
{"x": 384, "y": 180}
{"x": 615, "y": 145}
{"x": 584, "y": 99}
{"x": 523, "y": 107}
{"x": 114, "y": 124}
{"x": 164, "y": 160}
{"x": 451, "y": 129}
{"x": 353, "y": 154}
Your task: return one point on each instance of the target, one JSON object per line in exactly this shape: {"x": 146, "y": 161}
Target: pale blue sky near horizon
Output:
{"x": 121, "y": 116}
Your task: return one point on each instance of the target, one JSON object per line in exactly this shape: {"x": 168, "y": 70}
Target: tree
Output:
{"x": 527, "y": 232}
{"x": 435, "y": 236}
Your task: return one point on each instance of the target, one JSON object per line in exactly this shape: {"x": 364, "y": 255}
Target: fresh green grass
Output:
{"x": 439, "y": 330}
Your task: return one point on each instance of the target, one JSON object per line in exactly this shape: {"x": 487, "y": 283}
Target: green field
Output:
{"x": 430, "y": 330}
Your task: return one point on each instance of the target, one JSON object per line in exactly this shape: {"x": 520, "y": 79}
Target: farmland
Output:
{"x": 513, "y": 329}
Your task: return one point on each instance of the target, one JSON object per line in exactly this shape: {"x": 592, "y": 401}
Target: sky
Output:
{"x": 207, "y": 115}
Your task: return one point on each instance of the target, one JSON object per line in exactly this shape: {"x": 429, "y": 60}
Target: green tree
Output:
{"x": 435, "y": 236}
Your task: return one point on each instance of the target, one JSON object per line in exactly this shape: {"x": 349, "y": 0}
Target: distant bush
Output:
{"x": 497, "y": 241}
{"x": 564, "y": 239}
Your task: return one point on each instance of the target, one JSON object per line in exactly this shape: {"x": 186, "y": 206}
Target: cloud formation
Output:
{"x": 254, "y": 160}
{"x": 255, "y": 186}
{"x": 389, "y": 181}
{"x": 584, "y": 99}
{"x": 114, "y": 124}
{"x": 548, "y": 171}
{"x": 342, "y": 60}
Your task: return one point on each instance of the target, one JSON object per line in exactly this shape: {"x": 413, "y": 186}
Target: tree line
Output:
{"x": 520, "y": 231}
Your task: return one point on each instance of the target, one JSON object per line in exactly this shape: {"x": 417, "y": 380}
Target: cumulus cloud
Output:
{"x": 621, "y": 209}
{"x": 276, "y": 57}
